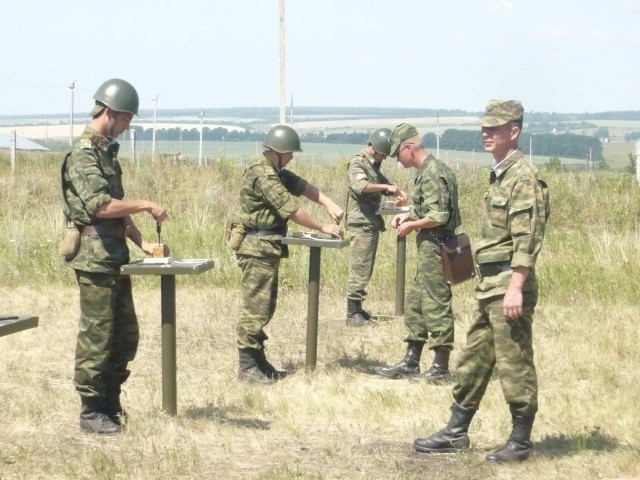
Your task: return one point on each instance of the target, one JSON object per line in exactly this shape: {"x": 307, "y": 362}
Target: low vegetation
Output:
{"x": 339, "y": 421}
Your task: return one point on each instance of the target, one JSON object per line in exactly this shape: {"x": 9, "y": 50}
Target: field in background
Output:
{"x": 341, "y": 421}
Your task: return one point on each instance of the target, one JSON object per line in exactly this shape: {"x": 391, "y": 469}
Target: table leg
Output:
{"x": 168, "y": 295}
{"x": 401, "y": 255}
{"x": 312, "y": 307}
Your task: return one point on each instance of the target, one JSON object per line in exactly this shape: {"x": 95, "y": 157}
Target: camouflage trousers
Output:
{"x": 362, "y": 257}
{"x": 108, "y": 334}
{"x": 492, "y": 342}
{"x": 428, "y": 314}
{"x": 259, "y": 285}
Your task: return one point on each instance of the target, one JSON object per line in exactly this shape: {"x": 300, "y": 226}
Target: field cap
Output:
{"x": 501, "y": 112}
{"x": 402, "y": 132}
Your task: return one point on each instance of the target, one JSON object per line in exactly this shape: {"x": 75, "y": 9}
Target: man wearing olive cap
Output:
{"x": 500, "y": 337}
{"x": 435, "y": 216}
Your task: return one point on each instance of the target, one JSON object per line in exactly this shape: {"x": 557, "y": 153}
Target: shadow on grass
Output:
{"x": 561, "y": 445}
{"x": 211, "y": 412}
{"x": 359, "y": 363}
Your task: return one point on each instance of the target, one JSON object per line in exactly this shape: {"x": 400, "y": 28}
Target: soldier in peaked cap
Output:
{"x": 95, "y": 207}
{"x": 500, "y": 337}
{"x": 435, "y": 215}
{"x": 367, "y": 185}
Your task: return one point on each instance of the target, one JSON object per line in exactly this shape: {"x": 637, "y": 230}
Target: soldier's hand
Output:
{"x": 512, "y": 304}
{"x": 335, "y": 212}
{"x": 333, "y": 230}
{"x": 158, "y": 213}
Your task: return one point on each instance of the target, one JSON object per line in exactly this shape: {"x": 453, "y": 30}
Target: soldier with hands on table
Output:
{"x": 99, "y": 223}
{"x": 269, "y": 198}
{"x": 367, "y": 185}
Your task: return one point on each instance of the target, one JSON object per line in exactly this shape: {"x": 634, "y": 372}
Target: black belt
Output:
{"x": 265, "y": 232}
{"x": 492, "y": 269}
{"x": 104, "y": 230}
{"x": 439, "y": 235}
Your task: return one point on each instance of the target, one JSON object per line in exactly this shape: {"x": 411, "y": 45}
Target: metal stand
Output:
{"x": 401, "y": 256}
{"x": 15, "y": 323}
{"x": 315, "y": 242}
{"x": 168, "y": 317}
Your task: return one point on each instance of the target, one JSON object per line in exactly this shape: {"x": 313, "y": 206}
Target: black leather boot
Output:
{"x": 363, "y": 312}
{"x": 94, "y": 417}
{"x": 265, "y": 366}
{"x": 519, "y": 447}
{"x": 439, "y": 371}
{"x": 249, "y": 370}
{"x": 113, "y": 407}
{"x": 409, "y": 366}
{"x": 355, "y": 316}
{"x": 451, "y": 438}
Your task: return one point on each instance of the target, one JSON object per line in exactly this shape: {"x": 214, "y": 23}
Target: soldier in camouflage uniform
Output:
{"x": 435, "y": 215}
{"x": 93, "y": 201}
{"x": 367, "y": 184}
{"x": 268, "y": 200}
{"x": 500, "y": 337}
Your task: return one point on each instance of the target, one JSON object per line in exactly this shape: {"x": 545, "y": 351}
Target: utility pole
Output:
{"x": 438, "y": 136}
{"x": 291, "y": 116}
{"x": 283, "y": 93}
{"x": 72, "y": 87}
{"x": 530, "y": 148}
{"x": 153, "y": 133}
{"x": 200, "y": 151}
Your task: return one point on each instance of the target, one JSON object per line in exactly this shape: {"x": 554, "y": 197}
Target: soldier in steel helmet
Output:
{"x": 435, "y": 215}
{"x": 269, "y": 198}
{"x": 500, "y": 337}
{"x": 367, "y": 185}
{"x": 94, "y": 202}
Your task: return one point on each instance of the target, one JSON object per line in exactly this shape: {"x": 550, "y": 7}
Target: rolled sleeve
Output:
{"x": 89, "y": 183}
{"x": 358, "y": 178}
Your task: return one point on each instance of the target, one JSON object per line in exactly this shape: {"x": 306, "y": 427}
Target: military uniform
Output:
{"x": 108, "y": 335}
{"x": 517, "y": 208}
{"x": 267, "y": 199}
{"x": 428, "y": 314}
{"x": 363, "y": 224}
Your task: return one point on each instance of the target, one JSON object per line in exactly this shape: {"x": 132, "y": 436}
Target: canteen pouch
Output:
{"x": 69, "y": 243}
{"x": 234, "y": 233}
{"x": 457, "y": 259}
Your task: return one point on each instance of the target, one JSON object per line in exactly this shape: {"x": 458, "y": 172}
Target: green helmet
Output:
{"x": 282, "y": 139}
{"x": 119, "y": 95}
{"x": 379, "y": 140}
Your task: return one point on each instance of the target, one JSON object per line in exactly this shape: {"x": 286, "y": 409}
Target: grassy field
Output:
{"x": 340, "y": 421}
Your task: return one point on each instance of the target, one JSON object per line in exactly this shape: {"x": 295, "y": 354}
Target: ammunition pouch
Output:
{"x": 69, "y": 242}
{"x": 234, "y": 233}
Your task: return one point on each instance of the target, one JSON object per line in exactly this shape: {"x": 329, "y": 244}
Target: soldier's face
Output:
{"x": 121, "y": 122}
{"x": 499, "y": 141}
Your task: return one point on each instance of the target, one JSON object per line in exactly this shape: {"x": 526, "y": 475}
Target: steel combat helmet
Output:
{"x": 379, "y": 140}
{"x": 117, "y": 94}
{"x": 282, "y": 139}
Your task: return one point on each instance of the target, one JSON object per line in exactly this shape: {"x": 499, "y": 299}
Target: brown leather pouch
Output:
{"x": 457, "y": 259}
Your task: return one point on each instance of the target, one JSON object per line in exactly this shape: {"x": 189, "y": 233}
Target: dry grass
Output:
{"x": 340, "y": 421}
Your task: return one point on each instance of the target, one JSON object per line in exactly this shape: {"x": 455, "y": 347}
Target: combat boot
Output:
{"x": 249, "y": 371}
{"x": 439, "y": 371}
{"x": 519, "y": 447}
{"x": 95, "y": 419}
{"x": 409, "y": 366}
{"x": 113, "y": 407}
{"x": 363, "y": 312}
{"x": 269, "y": 370}
{"x": 355, "y": 317}
{"x": 451, "y": 438}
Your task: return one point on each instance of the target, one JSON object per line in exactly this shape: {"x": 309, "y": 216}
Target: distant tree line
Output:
{"x": 547, "y": 144}
{"x": 561, "y": 145}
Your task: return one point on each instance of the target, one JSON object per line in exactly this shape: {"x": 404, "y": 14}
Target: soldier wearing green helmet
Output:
{"x": 367, "y": 185}
{"x": 269, "y": 198}
{"x": 95, "y": 210}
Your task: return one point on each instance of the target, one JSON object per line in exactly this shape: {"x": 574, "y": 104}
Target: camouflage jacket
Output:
{"x": 267, "y": 199}
{"x": 517, "y": 206}
{"x": 363, "y": 171}
{"x": 435, "y": 195}
{"x": 91, "y": 176}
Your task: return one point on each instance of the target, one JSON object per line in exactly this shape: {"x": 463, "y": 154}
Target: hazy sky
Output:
{"x": 553, "y": 55}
